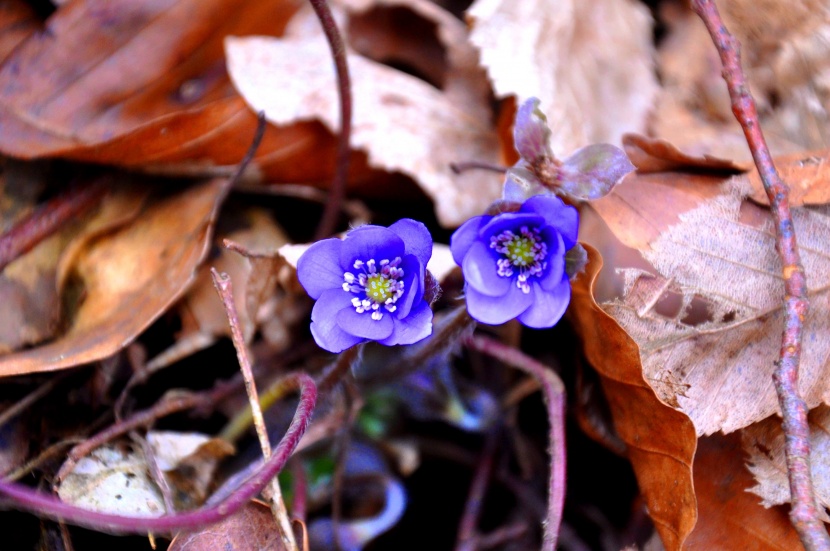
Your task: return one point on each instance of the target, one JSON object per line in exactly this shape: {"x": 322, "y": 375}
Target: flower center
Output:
{"x": 525, "y": 252}
{"x": 375, "y": 287}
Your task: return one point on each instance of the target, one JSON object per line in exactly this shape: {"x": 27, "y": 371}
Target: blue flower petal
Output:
{"x": 416, "y": 238}
{"x": 362, "y": 325}
{"x": 324, "y": 328}
{"x": 370, "y": 242}
{"x": 413, "y": 275}
{"x": 413, "y": 328}
{"x": 553, "y": 274}
{"x": 464, "y": 237}
{"x": 510, "y": 221}
{"x": 497, "y": 310}
{"x": 318, "y": 269}
{"x": 562, "y": 217}
{"x": 548, "y": 306}
{"x": 481, "y": 272}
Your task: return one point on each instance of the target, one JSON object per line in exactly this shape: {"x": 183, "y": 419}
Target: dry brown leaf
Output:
{"x": 805, "y": 173}
{"x": 17, "y": 22}
{"x": 124, "y": 280}
{"x": 656, "y": 155}
{"x": 590, "y": 63}
{"x": 764, "y": 444}
{"x": 728, "y": 516}
{"x": 693, "y": 109}
{"x": 720, "y": 260}
{"x": 251, "y": 528}
{"x": 143, "y": 84}
{"x": 403, "y": 123}
{"x": 661, "y": 441}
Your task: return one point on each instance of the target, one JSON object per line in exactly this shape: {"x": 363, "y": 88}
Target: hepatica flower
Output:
{"x": 514, "y": 262}
{"x": 369, "y": 286}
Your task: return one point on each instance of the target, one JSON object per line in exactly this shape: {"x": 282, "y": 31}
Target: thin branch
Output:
{"x": 48, "y": 218}
{"x": 554, "y": 392}
{"x": 338, "y": 186}
{"x": 804, "y": 514}
{"x": 27, "y": 499}
{"x": 21, "y": 405}
{"x": 466, "y": 539}
{"x": 224, "y": 287}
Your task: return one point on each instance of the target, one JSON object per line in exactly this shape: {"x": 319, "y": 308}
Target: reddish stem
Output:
{"x": 338, "y": 186}
{"x": 804, "y": 514}
{"x": 48, "y": 218}
{"x": 554, "y": 392}
{"x": 466, "y": 540}
{"x": 43, "y": 505}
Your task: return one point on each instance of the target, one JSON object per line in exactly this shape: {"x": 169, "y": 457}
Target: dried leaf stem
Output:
{"x": 46, "y": 220}
{"x": 554, "y": 392}
{"x": 466, "y": 540}
{"x": 43, "y": 505}
{"x": 224, "y": 287}
{"x": 803, "y": 514}
{"x": 338, "y": 52}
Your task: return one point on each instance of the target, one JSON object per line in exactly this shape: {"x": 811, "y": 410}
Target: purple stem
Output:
{"x": 338, "y": 186}
{"x": 804, "y": 514}
{"x": 554, "y": 392}
{"x": 43, "y": 505}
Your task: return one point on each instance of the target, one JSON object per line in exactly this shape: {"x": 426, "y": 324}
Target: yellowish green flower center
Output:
{"x": 380, "y": 288}
{"x": 520, "y": 251}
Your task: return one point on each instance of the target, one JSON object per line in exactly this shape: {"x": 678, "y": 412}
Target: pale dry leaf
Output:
{"x": 714, "y": 358}
{"x": 590, "y": 63}
{"x": 404, "y": 124}
{"x": 113, "y": 479}
{"x": 764, "y": 444}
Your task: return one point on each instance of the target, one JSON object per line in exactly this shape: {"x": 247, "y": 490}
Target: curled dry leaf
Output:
{"x": 660, "y": 440}
{"x": 590, "y": 63}
{"x": 729, "y": 517}
{"x": 656, "y": 155}
{"x": 403, "y": 123}
{"x": 713, "y": 357}
{"x": 764, "y": 444}
{"x": 113, "y": 479}
{"x": 807, "y": 174}
{"x": 143, "y": 85}
{"x": 251, "y": 528}
{"x": 124, "y": 279}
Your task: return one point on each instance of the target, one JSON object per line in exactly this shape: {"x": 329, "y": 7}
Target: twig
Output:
{"x": 554, "y": 392}
{"x": 155, "y": 472}
{"x": 167, "y": 406}
{"x": 21, "y": 405}
{"x": 502, "y": 535}
{"x": 43, "y": 505}
{"x": 458, "y": 168}
{"x": 46, "y": 220}
{"x": 224, "y": 287}
{"x": 466, "y": 539}
{"x": 338, "y": 186}
{"x": 804, "y": 514}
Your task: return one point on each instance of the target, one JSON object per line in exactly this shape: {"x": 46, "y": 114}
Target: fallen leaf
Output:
{"x": 590, "y": 64}
{"x": 113, "y": 479}
{"x": 143, "y": 85}
{"x": 656, "y": 155}
{"x": 764, "y": 444}
{"x": 403, "y": 123}
{"x": 729, "y": 517}
{"x": 189, "y": 462}
{"x": 806, "y": 174}
{"x": 122, "y": 281}
{"x": 253, "y": 527}
{"x": 661, "y": 441}
{"x": 720, "y": 258}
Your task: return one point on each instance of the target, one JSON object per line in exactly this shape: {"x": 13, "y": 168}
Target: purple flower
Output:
{"x": 369, "y": 286}
{"x": 514, "y": 262}
{"x": 589, "y": 173}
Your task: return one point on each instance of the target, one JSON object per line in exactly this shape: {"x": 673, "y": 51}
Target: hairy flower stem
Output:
{"x": 27, "y": 499}
{"x": 224, "y": 287}
{"x": 554, "y": 392}
{"x": 48, "y": 218}
{"x": 804, "y": 514}
{"x": 328, "y": 222}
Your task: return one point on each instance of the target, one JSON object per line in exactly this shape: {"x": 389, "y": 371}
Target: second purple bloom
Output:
{"x": 514, "y": 263}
